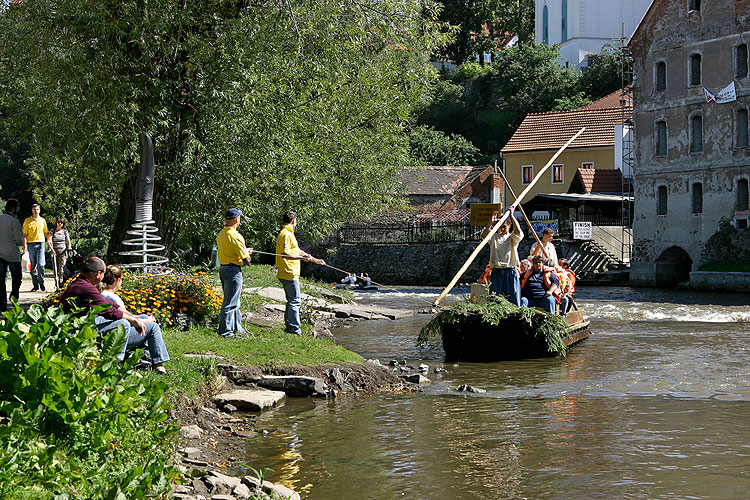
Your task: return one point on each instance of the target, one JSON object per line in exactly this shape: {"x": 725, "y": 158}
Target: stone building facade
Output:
{"x": 692, "y": 161}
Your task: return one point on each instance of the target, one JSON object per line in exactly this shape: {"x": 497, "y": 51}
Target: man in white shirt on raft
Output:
{"x": 504, "y": 258}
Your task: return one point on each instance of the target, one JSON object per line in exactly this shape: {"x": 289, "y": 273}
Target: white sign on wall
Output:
{"x": 581, "y": 230}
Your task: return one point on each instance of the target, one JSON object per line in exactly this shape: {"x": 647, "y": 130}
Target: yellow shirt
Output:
{"x": 35, "y": 230}
{"x": 230, "y": 247}
{"x": 287, "y": 243}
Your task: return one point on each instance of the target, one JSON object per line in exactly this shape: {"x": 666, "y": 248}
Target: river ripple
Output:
{"x": 656, "y": 404}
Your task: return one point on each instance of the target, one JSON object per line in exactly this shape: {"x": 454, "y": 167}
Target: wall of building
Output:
{"x": 571, "y": 159}
{"x": 591, "y": 24}
{"x": 671, "y": 35}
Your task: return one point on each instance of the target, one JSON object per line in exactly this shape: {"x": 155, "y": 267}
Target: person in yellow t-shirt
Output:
{"x": 232, "y": 253}
{"x": 288, "y": 257}
{"x": 35, "y": 233}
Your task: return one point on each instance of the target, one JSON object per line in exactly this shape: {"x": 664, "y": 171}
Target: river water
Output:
{"x": 654, "y": 405}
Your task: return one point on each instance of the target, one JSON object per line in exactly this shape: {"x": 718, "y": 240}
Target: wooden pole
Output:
{"x": 536, "y": 237}
{"x": 509, "y": 212}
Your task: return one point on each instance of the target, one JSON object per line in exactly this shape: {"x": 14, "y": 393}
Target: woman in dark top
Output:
{"x": 60, "y": 247}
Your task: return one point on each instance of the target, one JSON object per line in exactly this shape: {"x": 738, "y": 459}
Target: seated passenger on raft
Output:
{"x": 538, "y": 286}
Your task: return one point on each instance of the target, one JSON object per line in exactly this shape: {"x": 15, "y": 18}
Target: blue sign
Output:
{"x": 540, "y": 225}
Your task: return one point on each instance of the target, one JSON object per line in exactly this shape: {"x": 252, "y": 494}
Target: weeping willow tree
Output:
{"x": 263, "y": 105}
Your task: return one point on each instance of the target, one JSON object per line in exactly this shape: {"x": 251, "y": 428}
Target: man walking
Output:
{"x": 288, "y": 256}
{"x": 232, "y": 254}
{"x": 35, "y": 233}
{"x": 11, "y": 237}
{"x": 504, "y": 258}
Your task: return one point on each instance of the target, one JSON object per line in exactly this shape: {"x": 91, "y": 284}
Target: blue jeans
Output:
{"x": 36, "y": 258}
{"x": 15, "y": 276}
{"x": 546, "y": 303}
{"x": 292, "y": 323}
{"x": 565, "y": 304}
{"x": 134, "y": 340}
{"x": 505, "y": 282}
{"x": 230, "y": 319}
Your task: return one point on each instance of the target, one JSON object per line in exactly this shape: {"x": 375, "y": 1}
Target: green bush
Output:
{"x": 74, "y": 424}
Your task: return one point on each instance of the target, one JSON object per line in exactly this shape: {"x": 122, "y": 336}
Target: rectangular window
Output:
{"x": 741, "y": 200}
{"x": 587, "y": 165}
{"x": 527, "y": 174}
{"x": 742, "y": 123}
{"x": 557, "y": 174}
{"x": 694, "y": 5}
{"x": 696, "y": 141}
{"x": 661, "y": 76}
{"x": 661, "y": 138}
{"x": 661, "y": 201}
{"x": 697, "y": 198}
{"x": 740, "y": 58}
{"x": 695, "y": 69}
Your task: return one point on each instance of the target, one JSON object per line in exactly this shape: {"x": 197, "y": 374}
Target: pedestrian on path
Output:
{"x": 11, "y": 238}
{"x": 60, "y": 248}
{"x": 288, "y": 259}
{"x": 232, "y": 254}
{"x": 35, "y": 233}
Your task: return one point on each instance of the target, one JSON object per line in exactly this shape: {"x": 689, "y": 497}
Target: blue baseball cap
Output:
{"x": 232, "y": 213}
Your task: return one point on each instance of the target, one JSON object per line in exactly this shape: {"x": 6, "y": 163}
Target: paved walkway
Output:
{"x": 27, "y": 297}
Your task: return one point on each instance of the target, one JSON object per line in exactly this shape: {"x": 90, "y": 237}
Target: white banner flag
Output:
{"x": 727, "y": 94}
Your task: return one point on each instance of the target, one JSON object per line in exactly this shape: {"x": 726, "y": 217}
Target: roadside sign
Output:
{"x": 538, "y": 226}
{"x": 582, "y": 230}
{"x": 481, "y": 213}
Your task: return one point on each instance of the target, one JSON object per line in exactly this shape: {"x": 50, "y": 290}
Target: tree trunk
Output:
{"x": 162, "y": 214}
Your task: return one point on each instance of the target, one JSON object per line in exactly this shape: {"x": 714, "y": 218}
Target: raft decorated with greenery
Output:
{"x": 493, "y": 329}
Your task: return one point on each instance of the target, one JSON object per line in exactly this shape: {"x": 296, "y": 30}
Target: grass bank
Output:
{"x": 266, "y": 346}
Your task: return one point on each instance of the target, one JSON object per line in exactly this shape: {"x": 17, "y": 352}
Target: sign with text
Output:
{"x": 481, "y": 213}
{"x": 538, "y": 226}
{"x": 581, "y": 230}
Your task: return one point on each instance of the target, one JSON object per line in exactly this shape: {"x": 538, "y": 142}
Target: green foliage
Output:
{"x": 242, "y": 113}
{"x": 604, "y": 72}
{"x": 495, "y": 311}
{"x": 471, "y": 70}
{"x": 479, "y": 25}
{"x": 434, "y": 147}
{"x": 566, "y": 103}
{"x": 74, "y": 423}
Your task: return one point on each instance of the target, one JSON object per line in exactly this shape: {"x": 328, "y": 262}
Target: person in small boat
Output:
{"x": 538, "y": 286}
{"x": 504, "y": 279}
{"x": 524, "y": 266}
{"x": 349, "y": 280}
{"x": 364, "y": 280}
{"x": 549, "y": 248}
{"x": 570, "y": 285}
{"x": 562, "y": 277}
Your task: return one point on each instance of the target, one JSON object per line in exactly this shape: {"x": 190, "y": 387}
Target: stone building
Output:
{"x": 692, "y": 161}
{"x": 583, "y": 27}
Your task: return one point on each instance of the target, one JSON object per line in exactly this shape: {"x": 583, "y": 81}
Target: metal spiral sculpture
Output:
{"x": 143, "y": 232}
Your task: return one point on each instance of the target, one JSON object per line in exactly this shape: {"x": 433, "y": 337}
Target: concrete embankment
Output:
{"x": 705, "y": 281}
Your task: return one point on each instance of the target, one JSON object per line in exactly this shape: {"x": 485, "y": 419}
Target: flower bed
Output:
{"x": 173, "y": 298}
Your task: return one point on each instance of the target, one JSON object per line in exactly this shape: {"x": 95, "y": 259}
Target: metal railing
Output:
{"x": 437, "y": 226}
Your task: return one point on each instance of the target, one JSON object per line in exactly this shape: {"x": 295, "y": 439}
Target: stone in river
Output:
{"x": 249, "y": 400}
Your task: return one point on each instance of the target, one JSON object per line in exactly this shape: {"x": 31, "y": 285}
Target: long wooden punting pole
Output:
{"x": 510, "y": 211}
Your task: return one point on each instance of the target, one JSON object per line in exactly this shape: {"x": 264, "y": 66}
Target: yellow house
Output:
{"x": 540, "y": 135}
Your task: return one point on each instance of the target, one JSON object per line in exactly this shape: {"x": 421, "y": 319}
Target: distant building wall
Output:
{"x": 669, "y": 181}
{"x": 571, "y": 159}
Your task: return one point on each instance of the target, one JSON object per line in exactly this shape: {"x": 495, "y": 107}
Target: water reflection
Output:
{"x": 643, "y": 409}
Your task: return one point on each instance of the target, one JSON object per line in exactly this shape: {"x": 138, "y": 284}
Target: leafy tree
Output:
{"x": 434, "y": 147}
{"x": 263, "y": 105}
{"x": 480, "y": 24}
{"x": 604, "y": 72}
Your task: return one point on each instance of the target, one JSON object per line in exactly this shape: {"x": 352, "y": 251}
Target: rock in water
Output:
{"x": 470, "y": 388}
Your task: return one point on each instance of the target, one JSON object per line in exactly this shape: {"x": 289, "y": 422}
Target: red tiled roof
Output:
{"x": 540, "y": 131}
{"x": 439, "y": 180}
{"x": 613, "y": 100}
{"x": 602, "y": 180}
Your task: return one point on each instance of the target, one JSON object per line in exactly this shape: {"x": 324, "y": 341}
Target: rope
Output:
{"x": 380, "y": 285}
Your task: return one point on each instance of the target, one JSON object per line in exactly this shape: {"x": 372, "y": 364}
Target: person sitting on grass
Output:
{"x": 538, "y": 286}
{"x": 82, "y": 293}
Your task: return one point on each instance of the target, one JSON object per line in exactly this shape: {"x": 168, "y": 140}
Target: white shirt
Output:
{"x": 504, "y": 250}
{"x": 113, "y": 297}
{"x": 11, "y": 237}
{"x": 548, "y": 247}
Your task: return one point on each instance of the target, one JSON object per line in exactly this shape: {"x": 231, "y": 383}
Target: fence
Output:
{"x": 439, "y": 226}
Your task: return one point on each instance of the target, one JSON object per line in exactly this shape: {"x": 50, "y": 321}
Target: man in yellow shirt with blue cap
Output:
{"x": 232, "y": 253}
{"x": 288, "y": 257}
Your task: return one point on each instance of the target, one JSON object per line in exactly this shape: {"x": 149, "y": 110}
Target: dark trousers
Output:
{"x": 16, "y": 277}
